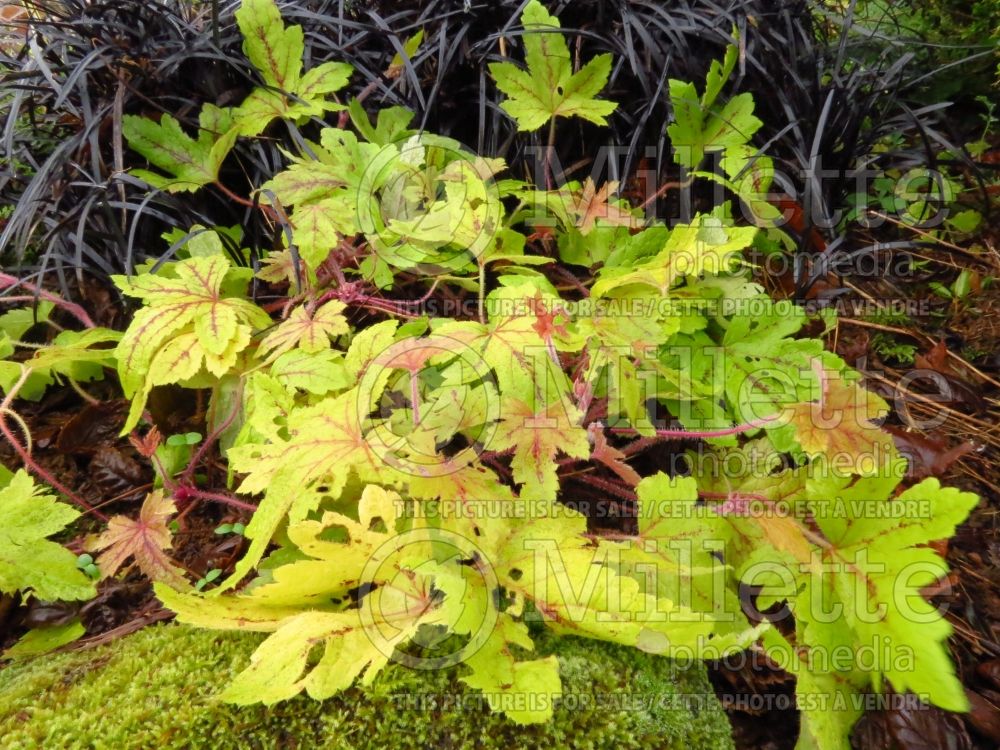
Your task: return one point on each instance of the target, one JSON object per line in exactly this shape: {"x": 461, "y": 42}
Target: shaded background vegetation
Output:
{"x": 835, "y": 87}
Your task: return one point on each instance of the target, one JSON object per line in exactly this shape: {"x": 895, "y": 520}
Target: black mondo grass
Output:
{"x": 78, "y": 68}
{"x": 827, "y": 88}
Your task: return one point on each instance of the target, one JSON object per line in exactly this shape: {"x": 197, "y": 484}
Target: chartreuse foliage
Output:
{"x": 29, "y": 561}
{"x": 77, "y": 356}
{"x": 193, "y": 320}
{"x": 700, "y": 126}
{"x": 549, "y": 88}
{"x": 276, "y": 52}
{"x": 850, "y": 560}
{"x": 414, "y": 472}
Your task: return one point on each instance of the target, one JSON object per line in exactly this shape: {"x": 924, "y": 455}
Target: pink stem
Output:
{"x": 8, "y": 282}
{"x": 637, "y": 446}
{"x": 726, "y": 495}
{"x": 374, "y": 303}
{"x": 218, "y": 497}
{"x": 206, "y": 446}
{"x": 421, "y": 300}
{"x": 29, "y": 462}
{"x": 415, "y": 398}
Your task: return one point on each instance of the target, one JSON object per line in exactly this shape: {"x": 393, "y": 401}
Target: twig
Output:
{"x": 30, "y": 464}
{"x": 663, "y": 189}
{"x": 916, "y": 335}
{"x": 193, "y": 493}
{"x": 9, "y": 282}
{"x": 268, "y": 210}
{"x": 207, "y": 444}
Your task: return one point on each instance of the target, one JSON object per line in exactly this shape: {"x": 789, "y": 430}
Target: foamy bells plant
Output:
{"x": 455, "y": 368}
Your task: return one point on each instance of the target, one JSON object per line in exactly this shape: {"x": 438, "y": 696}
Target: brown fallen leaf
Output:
{"x": 937, "y": 359}
{"x": 958, "y": 391}
{"x": 928, "y": 456}
{"x": 910, "y": 727}
{"x": 94, "y": 427}
{"x": 145, "y": 539}
{"x": 990, "y": 670}
{"x": 984, "y": 715}
{"x": 118, "y": 475}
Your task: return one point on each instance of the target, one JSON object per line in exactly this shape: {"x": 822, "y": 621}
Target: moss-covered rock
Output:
{"x": 155, "y": 689}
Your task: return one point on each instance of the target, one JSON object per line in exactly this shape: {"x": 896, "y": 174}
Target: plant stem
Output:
{"x": 607, "y": 486}
{"x": 218, "y": 497}
{"x": 7, "y": 282}
{"x": 210, "y": 441}
{"x": 82, "y": 393}
{"x": 663, "y": 188}
{"x": 29, "y": 463}
{"x": 548, "y": 154}
{"x": 415, "y": 398}
{"x": 367, "y": 91}
{"x": 268, "y": 210}
{"x": 216, "y": 38}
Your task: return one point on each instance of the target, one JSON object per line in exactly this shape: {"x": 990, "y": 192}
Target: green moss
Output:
{"x": 156, "y": 688}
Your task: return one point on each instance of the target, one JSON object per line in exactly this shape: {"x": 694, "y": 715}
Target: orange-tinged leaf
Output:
{"x": 278, "y": 267}
{"x": 305, "y": 329}
{"x": 843, "y": 427}
{"x": 784, "y": 533}
{"x": 593, "y": 205}
{"x": 145, "y": 539}
{"x": 536, "y": 438}
{"x": 610, "y": 456}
